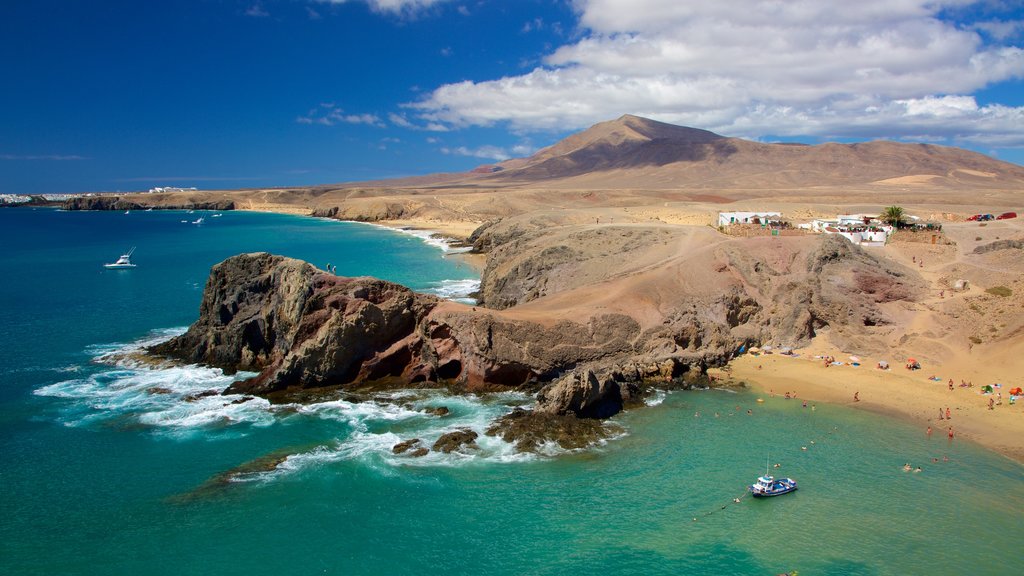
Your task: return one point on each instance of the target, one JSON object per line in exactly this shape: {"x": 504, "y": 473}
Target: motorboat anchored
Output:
{"x": 125, "y": 261}
{"x": 768, "y": 486}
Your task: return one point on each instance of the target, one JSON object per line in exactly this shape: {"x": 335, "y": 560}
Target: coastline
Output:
{"x": 895, "y": 393}
{"x": 907, "y": 396}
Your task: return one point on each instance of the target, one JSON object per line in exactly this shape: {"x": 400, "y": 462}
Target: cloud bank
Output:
{"x": 873, "y": 68}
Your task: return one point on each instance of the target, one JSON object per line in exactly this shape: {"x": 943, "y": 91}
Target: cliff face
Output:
{"x": 117, "y": 203}
{"x": 300, "y": 327}
{"x": 587, "y": 345}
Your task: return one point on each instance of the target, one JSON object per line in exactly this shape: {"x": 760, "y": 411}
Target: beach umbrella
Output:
{"x": 854, "y": 359}
{"x": 911, "y": 361}
{"x": 883, "y": 364}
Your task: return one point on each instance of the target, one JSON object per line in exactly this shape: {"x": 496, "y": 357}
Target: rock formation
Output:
{"x": 117, "y": 203}
{"x": 300, "y": 328}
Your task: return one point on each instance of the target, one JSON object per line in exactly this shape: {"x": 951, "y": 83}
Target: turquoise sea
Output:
{"x": 119, "y": 469}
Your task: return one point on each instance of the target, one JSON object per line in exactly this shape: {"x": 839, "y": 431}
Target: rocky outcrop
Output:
{"x": 531, "y": 430}
{"x": 999, "y": 245}
{"x": 299, "y": 326}
{"x": 118, "y": 203}
{"x": 457, "y": 440}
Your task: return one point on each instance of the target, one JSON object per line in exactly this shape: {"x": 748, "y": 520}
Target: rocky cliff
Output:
{"x": 118, "y": 203}
{"x": 588, "y": 347}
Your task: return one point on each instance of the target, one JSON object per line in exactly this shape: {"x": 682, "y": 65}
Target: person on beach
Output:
{"x": 906, "y": 467}
{"x": 929, "y": 432}
{"x": 856, "y": 396}
{"x": 940, "y": 413}
{"x": 991, "y": 403}
{"x": 950, "y": 432}
{"x": 950, "y": 384}
{"x": 948, "y": 416}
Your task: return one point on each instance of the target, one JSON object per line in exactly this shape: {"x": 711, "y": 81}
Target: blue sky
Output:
{"x": 125, "y": 95}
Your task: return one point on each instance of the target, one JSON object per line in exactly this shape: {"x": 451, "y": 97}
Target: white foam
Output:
{"x": 185, "y": 401}
{"x": 657, "y": 398}
{"x": 457, "y": 290}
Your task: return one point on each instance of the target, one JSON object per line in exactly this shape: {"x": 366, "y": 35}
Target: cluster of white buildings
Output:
{"x": 861, "y": 229}
{"x": 159, "y": 189}
{"x": 14, "y": 198}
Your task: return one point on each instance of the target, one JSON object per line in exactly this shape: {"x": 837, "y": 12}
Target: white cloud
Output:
{"x": 754, "y": 67}
{"x": 489, "y": 152}
{"x": 328, "y": 114}
{"x": 392, "y": 6}
{"x": 257, "y": 11}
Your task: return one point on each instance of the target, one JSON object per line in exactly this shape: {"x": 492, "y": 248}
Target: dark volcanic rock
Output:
{"x": 413, "y": 447}
{"x": 453, "y": 441}
{"x": 299, "y": 326}
{"x": 529, "y": 430}
{"x": 118, "y": 203}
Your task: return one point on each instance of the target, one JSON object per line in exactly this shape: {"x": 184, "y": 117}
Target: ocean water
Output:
{"x": 110, "y": 468}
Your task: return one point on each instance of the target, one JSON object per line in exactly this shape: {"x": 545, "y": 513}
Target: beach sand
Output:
{"x": 897, "y": 392}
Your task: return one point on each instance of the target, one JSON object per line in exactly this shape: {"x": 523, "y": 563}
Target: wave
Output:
{"x": 188, "y": 402}
{"x": 457, "y": 290}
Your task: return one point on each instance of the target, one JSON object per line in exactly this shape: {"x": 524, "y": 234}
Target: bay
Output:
{"x": 108, "y": 469}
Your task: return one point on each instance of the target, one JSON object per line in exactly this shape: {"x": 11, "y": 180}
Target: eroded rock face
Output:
{"x": 299, "y": 326}
{"x": 118, "y": 203}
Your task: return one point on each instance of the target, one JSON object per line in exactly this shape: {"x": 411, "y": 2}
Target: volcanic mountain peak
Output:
{"x": 625, "y": 130}
{"x": 635, "y": 152}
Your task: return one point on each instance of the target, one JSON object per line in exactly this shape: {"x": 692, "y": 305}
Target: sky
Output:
{"x": 126, "y": 95}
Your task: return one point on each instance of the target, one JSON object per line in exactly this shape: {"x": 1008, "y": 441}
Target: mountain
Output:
{"x": 635, "y": 152}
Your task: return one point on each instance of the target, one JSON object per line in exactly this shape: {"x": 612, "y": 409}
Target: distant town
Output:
{"x": 10, "y": 199}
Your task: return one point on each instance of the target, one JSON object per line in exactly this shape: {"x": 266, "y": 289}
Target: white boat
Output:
{"x": 125, "y": 261}
{"x": 200, "y": 221}
{"x": 769, "y": 486}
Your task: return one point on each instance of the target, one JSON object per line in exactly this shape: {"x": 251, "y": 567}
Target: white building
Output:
{"x": 853, "y": 228}
{"x": 727, "y": 218}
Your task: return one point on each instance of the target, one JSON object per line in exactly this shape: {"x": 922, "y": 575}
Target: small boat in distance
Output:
{"x": 200, "y": 221}
{"x": 125, "y": 261}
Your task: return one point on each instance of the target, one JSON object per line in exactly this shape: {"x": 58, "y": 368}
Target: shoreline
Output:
{"x": 910, "y": 397}
{"x": 894, "y": 393}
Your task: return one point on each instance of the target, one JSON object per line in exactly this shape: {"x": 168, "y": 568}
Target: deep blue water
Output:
{"x": 108, "y": 469}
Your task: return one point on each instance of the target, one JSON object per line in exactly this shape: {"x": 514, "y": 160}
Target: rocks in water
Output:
{"x": 583, "y": 395}
{"x": 530, "y": 430}
{"x": 413, "y": 448}
{"x": 437, "y": 411}
{"x": 452, "y": 441}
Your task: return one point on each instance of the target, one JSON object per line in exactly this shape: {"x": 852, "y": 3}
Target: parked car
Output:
{"x": 1006, "y": 216}
{"x": 974, "y": 218}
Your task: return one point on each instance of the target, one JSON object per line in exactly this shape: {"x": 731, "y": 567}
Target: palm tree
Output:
{"x": 892, "y": 215}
